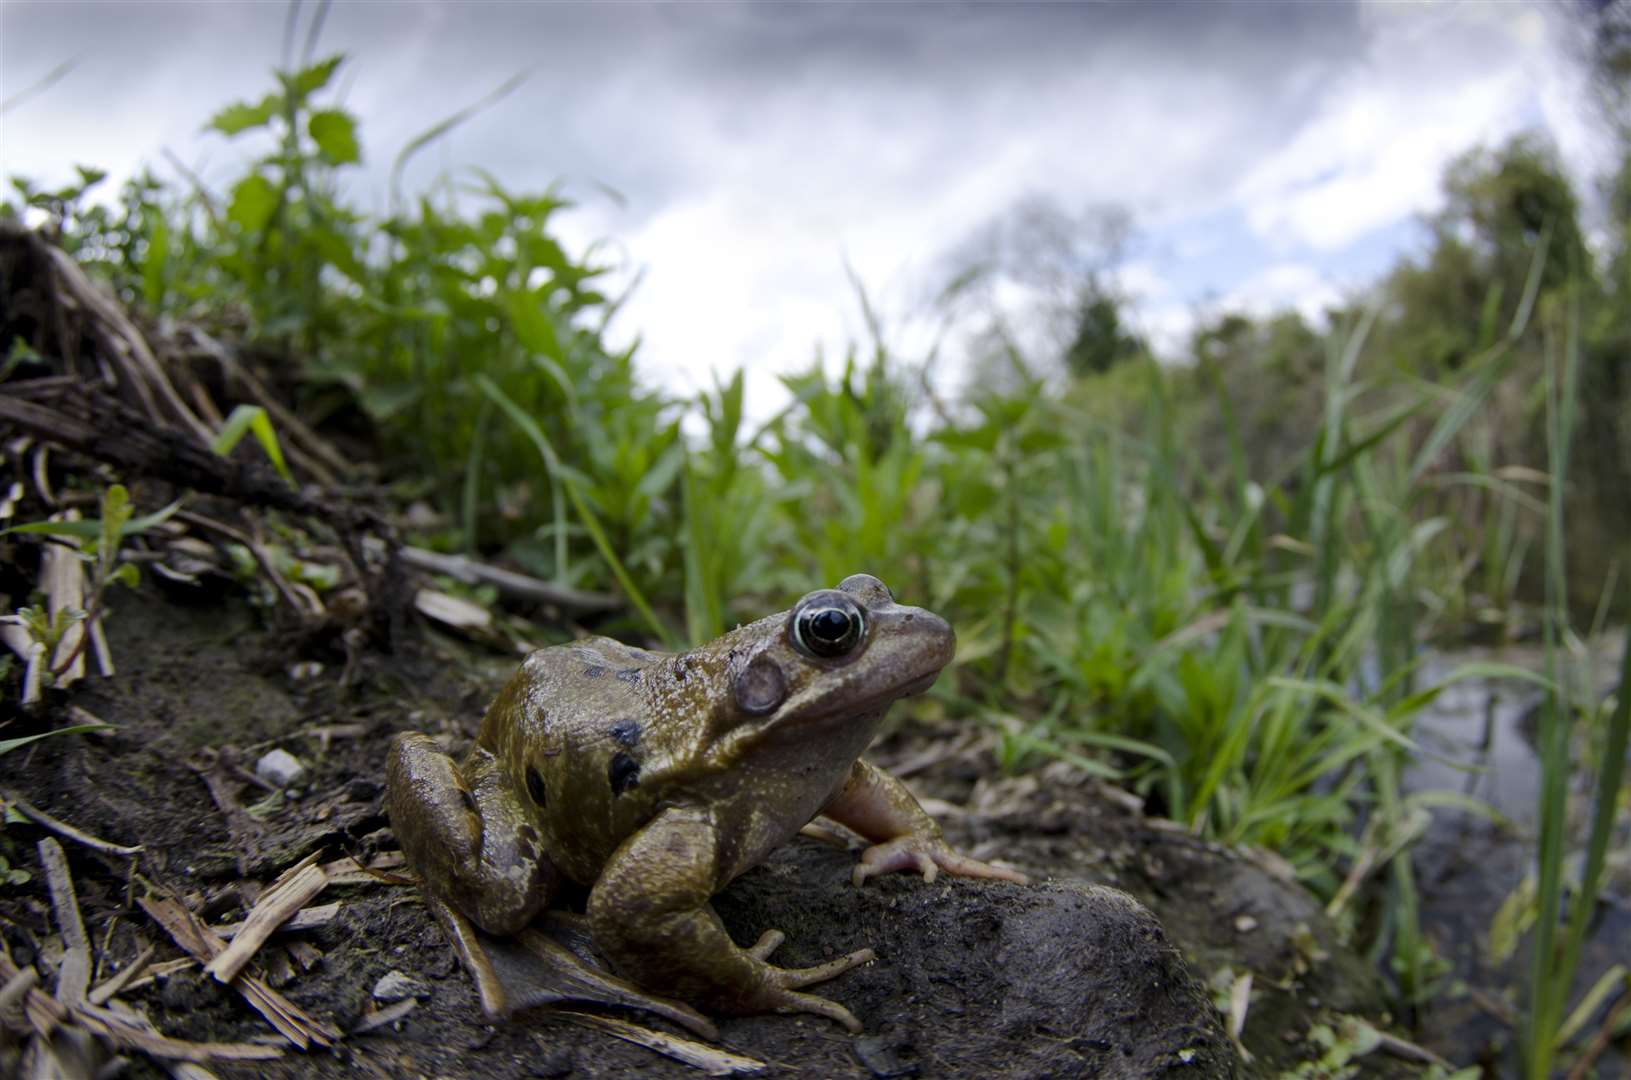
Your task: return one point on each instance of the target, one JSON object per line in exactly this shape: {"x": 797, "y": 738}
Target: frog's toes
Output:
{"x": 928, "y": 856}
{"x": 791, "y": 1001}
{"x": 787, "y": 978}
{"x": 768, "y": 942}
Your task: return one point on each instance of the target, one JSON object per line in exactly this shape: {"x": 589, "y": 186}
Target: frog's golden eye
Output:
{"x": 827, "y": 625}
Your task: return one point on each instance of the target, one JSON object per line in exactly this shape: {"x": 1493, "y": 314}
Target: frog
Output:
{"x": 654, "y": 779}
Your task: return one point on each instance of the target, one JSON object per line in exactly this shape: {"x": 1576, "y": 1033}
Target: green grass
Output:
{"x": 1239, "y": 644}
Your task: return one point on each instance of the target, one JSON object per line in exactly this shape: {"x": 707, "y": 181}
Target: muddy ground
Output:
{"x": 955, "y": 993}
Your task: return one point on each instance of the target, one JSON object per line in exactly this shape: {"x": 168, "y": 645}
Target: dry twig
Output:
{"x": 63, "y": 829}
{"x": 74, "y": 976}
{"x": 286, "y": 896}
{"x": 292, "y": 1022}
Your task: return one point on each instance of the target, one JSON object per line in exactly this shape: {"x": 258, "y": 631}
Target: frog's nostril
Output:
{"x": 909, "y": 618}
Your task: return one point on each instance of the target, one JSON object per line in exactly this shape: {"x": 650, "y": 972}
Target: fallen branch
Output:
{"x": 309, "y": 918}
{"x": 287, "y": 895}
{"x": 520, "y": 586}
{"x": 63, "y": 829}
{"x": 74, "y": 976}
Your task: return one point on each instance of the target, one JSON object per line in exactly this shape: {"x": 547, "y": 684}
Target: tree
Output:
{"x": 1037, "y": 281}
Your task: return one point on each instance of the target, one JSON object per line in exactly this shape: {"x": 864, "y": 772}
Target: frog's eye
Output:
{"x": 827, "y": 625}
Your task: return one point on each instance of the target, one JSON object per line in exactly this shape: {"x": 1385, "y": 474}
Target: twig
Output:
{"x": 17, "y": 987}
{"x": 289, "y": 1019}
{"x": 710, "y": 1059}
{"x": 122, "y": 343}
{"x": 287, "y": 895}
{"x": 307, "y": 918}
{"x": 65, "y": 830}
{"x": 1599, "y": 1042}
{"x": 508, "y": 582}
{"x": 388, "y": 1015}
{"x": 111, "y": 986}
{"x": 62, "y": 579}
{"x": 328, "y": 463}
{"x": 1406, "y": 1050}
{"x": 348, "y": 871}
{"x": 74, "y": 976}
{"x": 263, "y": 558}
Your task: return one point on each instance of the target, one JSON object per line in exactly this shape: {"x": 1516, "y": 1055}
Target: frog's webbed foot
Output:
{"x": 782, "y": 995}
{"x": 928, "y": 855}
{"x": 533, "y": 970}
{"x": 879, "y": 808}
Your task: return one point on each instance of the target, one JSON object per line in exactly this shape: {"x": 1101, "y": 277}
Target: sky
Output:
{"x": 1270, "y": 154}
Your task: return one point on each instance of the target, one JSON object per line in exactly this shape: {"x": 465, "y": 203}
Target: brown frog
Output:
{"x": 657, "y": 778}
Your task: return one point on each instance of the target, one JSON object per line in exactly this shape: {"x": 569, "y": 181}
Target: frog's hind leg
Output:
{"x": 533, "y": 970}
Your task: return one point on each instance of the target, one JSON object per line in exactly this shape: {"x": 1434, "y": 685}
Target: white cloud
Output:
{"x": 1433, "y": 83}
{"x": 1294, "y": 286}
{"x": 759, "y": 148}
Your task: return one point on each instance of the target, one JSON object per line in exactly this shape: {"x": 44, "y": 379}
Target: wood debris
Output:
{"x": 288, "y": 894}
{"x": 307, "y": 918}
{"x": 60, "y": 1026}
{"x": 62, "y": 579}
{"x": 348, "y": 871}
{"x": 710, "y": 1059}
{"x": 63, "y": 829}
{"x": 112, "y": 985}
{"x": 74, "y": 976}
{"x": 388, "y": 1015}
{"x": 292, "y": 1022}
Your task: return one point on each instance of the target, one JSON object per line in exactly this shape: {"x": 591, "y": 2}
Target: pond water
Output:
{"x": 1467, "y": 864}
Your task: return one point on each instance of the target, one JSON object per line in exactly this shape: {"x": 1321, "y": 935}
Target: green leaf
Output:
{"x": 127, "y": 575}
{"x": 8, "y": 745}
{"x": 241, "y": 116}
{"x": 252, "y": 419}
{"x": 317, "y": 76}
{"x": 532, "y": 322}
{"x": 154, "y": 266}
{"x": 254, "y": 198}
{"x": 529, "y": 427}
{"x": 385, "y": 400}
{"x": 91, "y": 528}
{"x": 335, "y": 133}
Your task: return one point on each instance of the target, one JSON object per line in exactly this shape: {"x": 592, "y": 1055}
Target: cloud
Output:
{"x": 1432, "y": 84}
{"x": 1290, "y": 286}
{"x": 760, "y": 146}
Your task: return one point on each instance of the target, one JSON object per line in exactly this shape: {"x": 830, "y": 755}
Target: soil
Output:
{"x": 1071, "y": 976}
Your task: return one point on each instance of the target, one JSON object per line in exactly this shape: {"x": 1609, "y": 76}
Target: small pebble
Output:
{"x": 280, "y": 768}
{"x": 882, "y": 1057}
{"x": 395, "y": 986}
{"x": 1245, "y": 924}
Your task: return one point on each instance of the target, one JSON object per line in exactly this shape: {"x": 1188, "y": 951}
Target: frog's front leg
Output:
{"x": 903, "y": 835}
{"x": 466, "y": 834}
{"x": 650, "y": 911}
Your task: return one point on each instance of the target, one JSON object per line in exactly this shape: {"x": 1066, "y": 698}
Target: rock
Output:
{"x": 395, "y": 986}
{"x": 1058, "y": 978}
{"x": 280, "y": 768}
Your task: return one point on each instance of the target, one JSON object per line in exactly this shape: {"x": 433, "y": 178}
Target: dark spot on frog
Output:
{"x": 535, "y": 785}
{"x": 529, "y": 834}
{"x": 593, "y": 671}
{"x": 627, "y": 732}
{"x": 624, "y": 773}
{"x": 629, "y": 675}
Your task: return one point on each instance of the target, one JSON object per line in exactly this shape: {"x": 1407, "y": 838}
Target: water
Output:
{"x": 1467, "y": 864}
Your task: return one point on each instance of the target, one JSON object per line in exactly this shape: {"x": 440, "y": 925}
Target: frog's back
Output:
{"x": 567, "y": 733}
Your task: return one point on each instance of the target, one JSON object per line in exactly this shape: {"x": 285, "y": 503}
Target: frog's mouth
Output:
{"x": 882, "y": 701}
{"x": 917, "y": 686}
